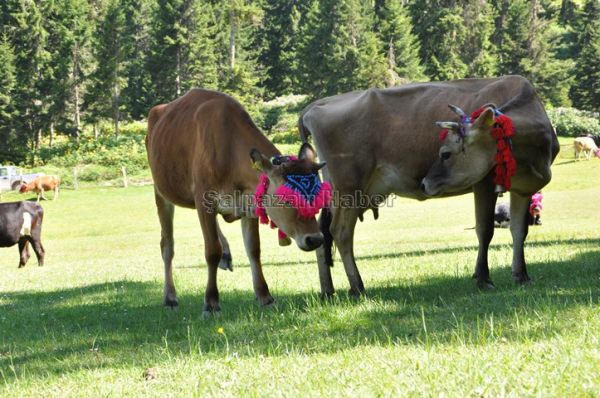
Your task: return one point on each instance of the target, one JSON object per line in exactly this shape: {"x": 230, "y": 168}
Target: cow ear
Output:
{"x": 484, "y": 121}
{"x": 260, "y": 161}
{"x": 307, "y": 152}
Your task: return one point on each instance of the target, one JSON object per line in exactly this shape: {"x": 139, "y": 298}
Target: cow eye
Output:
{"x": 445, "y": 155}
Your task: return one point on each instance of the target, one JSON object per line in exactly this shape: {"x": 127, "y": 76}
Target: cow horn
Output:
{"x": 448, "y": 125}
{"x": 319, "y": 166}
{"x": 457, "y": 110}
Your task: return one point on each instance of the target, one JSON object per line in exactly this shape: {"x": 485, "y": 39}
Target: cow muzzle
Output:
{"x": 310, "y": 242}
{"x": 428, "y": 189}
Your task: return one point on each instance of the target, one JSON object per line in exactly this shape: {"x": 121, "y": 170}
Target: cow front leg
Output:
{"x": 56, "y": 189}
{"x": 226, "y": 261}
{"x": 485, "y": 203}
{"x": 23, "y": 251}
{"x": 212, "y": 253}
{"x": 325, "y": 255}
{"x": 166, "y": 211}
{"x": 252, "y": 245}
{"x": 342, "y": 229}
{"x": 519, "y": 228}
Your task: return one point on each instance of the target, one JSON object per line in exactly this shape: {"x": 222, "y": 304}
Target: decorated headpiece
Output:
{"x": 502, "y": 131}
{"x": 305, "y": 192}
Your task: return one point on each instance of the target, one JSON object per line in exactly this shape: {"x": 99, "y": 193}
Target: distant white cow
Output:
{"x": 587, "y": 146}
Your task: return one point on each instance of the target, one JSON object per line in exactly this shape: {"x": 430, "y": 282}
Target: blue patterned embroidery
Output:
{"x": 307, "y": 185}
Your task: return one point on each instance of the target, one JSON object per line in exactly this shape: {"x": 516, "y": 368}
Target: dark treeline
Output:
{"x": 65, "y": 64}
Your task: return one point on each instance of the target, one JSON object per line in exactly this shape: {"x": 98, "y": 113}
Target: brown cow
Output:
{"x": 378, "y": 142}
{"x": 198, "y": 149}
{"x": 41, "y": 184}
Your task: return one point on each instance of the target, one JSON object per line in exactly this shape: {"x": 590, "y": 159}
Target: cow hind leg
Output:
{"x": 36, "y": 243}
{"x": 166, "y": 211}
{"x": 485, "y": 203}
{"x": 213, "y": 253}
{"x": 519, "y": 228}
{"x": 23, "y": 251}
{"x": 226, "y": 261}
{"x": 342, "y": 229}
{"x": 252, "y": 245}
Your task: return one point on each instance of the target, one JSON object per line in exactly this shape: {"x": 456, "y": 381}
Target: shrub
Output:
{"x": 571, "y": 122}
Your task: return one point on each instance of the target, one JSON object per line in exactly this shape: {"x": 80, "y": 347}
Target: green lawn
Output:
{"x": 91, "y": 322}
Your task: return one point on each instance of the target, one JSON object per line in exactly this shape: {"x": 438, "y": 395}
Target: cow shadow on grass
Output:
{"x": 122, "y": 323}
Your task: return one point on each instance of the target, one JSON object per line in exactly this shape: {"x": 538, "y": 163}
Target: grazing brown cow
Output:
{"x": 21, "y": 223}
{"x": 200, "y": 148}
{"x": 587, "y": 146}
{"x": 41, "y": 184}
{"x": 378, "y": 142}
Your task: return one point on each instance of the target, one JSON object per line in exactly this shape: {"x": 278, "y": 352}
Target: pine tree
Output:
{"x": 7, "y": 86}
{"x": 29, "y": 37}
{"x": 135, "y": 95}
{"x": 278, "y": 36}
{"x": 201, "y": 67}
{"x": 339, "y": 52}
{"x": 103, "y": 99}
{"x": 401, "y": 45}
{"x": 586, "y": 90}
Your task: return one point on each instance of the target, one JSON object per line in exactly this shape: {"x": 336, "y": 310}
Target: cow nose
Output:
{"x": 313, "y": 241}
{"x": 423, "y": 188}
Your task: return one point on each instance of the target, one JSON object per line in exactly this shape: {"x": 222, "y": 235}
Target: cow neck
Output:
{"x": 506, "y": 165}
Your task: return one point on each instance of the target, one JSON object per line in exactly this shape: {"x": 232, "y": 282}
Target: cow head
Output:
{"x": 23, "y": 188}
{"x": 466, "y": 155}
{"x": 291, "y": 217}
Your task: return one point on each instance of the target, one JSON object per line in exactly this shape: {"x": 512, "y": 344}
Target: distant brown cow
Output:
{"x": 41, "y": 184}
{"x": 585, "y": 145}
{"x": 201, "y": 148}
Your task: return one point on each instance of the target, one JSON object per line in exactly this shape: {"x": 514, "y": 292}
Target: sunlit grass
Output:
{"x": 90, "y": 323}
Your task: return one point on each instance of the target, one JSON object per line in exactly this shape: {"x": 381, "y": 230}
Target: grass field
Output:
{"x": 90, "y": 323}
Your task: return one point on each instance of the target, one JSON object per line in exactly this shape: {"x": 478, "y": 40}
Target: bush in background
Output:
{"x": 571, "y": 122}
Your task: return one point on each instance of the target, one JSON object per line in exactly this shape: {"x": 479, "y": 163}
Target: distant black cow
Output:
{"x": 502, "y": 212}
{"x": 21, "y": 223}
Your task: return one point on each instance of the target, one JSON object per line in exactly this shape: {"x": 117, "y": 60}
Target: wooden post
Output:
{"x": 125, "y": 182}
{"x": 75, "y": 184}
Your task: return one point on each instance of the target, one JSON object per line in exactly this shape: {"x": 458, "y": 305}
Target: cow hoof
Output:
{"x": 266, "y": 301}
{"x": 356, "y": 293}
{"x": 171, "y": 303}
{"x": 327, "y": 295}
{"x": 522, "y": 279}
{"x": 211, "y": 310}
{"x": 485, "y": 284}
{"x": 226, "y": 262}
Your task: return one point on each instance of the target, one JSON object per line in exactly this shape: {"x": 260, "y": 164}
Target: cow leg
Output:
{"x": 324, "y": 256}
{"x": 23, "y": 251}
{"x": 226, "y": 261}
{"x": 55, "y": 193}
{"x": 519, "y": 227}
{"x": 485, "y": 203}
{"x": 36, "y": 243}
{"x": 42, "y": 193}
{"x": 252, "y": 245}
{"x": 212, "y": 252}
{"x": 342, "y": 229}
{"x": 166, "y": 211}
